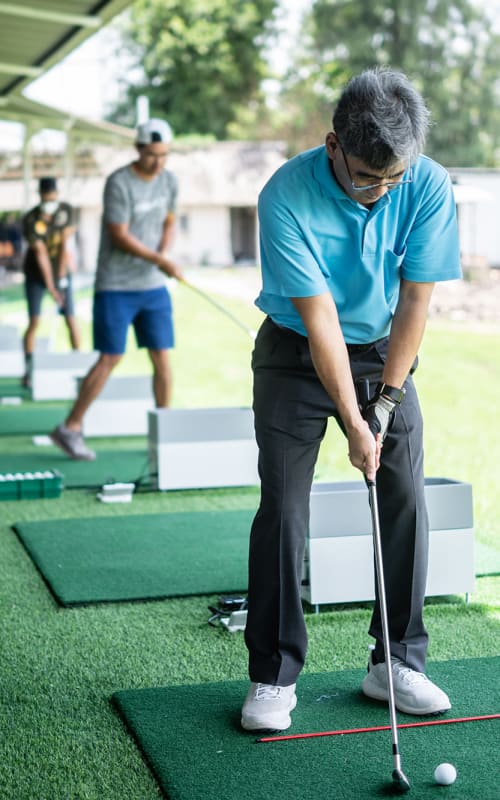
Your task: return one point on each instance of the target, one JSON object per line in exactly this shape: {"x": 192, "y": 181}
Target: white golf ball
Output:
{"x": 445, "y": 774}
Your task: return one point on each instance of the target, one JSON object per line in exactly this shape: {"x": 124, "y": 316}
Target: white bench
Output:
{"x": 338, "y": 567}
{"x": 202, "y": 448}
{"x": 54, "y": 375}
{"x": 122, "y": 407}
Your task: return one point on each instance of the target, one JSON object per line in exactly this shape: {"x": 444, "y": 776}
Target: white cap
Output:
{"x": 154, "y": 130}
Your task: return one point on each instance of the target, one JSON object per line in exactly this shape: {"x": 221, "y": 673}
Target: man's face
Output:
{"x": 353, "y": 174}
{"x": 152, "y": 158}
{"x": 49, "y": 203}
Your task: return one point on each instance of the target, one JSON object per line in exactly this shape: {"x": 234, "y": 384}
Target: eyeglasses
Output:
{"x": 365, "y": 187}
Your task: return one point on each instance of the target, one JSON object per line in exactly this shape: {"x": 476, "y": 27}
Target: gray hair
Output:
{"x": 381, "y": 118}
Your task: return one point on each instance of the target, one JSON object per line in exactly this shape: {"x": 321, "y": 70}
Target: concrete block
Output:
{"x": 202, "y": 448}
{"x": 339, "y": 559}
{"x": 11, "y": 351}
{"x": 54, "y": 375}
{"x": 122, "y": 407}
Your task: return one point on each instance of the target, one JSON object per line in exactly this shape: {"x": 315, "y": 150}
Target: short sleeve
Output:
{"x": 117, "y": 206}
{"x": 433, "y": 252}
{"x": 289, "y": 268}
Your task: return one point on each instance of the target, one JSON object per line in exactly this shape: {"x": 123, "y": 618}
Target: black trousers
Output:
{"x": 291, "y": 410}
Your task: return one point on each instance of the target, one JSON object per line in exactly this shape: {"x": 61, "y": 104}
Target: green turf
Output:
{"x": 140, "y": 557}
{"x": 30, "y": 418}
{"x": 117, "y": 464}
{"x": 11, "y": 387}
{"x": 191, "y": 738}
{"x": 62, "y": 740}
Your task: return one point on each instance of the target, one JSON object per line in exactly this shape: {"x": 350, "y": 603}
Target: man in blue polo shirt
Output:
{"x": 354, "y": 234}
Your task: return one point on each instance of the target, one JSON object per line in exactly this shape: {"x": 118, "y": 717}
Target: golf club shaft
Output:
{"x": 375, "y": 728}
{"x": 379, "y": 568}
{"x": 220, "y": 308}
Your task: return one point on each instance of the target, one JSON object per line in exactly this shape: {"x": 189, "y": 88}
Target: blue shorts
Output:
{"x": 35, "y": 290}
{"x": 150, "y": 312}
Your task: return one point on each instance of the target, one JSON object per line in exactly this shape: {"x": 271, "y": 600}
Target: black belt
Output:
{"x": 362, "y": 348}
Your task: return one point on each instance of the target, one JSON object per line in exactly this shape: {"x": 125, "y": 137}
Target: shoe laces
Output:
{"x": 407, "y": 674}
{"x": 266, "y": 691}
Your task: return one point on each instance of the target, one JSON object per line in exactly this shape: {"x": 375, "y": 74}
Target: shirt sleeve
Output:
{"x": 433, "y": 251}
{"x": 34, "y": 229}
{"x": 174, "y": 191}
{"x": 289, "y": 268}
{"x": 117, "y": 206}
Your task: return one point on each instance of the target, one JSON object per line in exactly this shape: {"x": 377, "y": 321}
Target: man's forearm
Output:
{"x": 329, "y": 356}
{"x": 407, "y": 331}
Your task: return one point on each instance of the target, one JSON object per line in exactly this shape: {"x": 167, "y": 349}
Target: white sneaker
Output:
{"x": 72, "y": 442}
{"x": 267, "y": 707}
{"x": 414, "y": 693}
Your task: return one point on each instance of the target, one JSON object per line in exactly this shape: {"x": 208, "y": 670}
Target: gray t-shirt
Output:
{"x": 144, "y": 206}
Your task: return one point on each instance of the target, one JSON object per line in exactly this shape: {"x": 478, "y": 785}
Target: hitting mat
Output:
{"x": 30, "y": 418}
{"x": 122, "y": 465}
{"x": 191, "y": 739}
{"x": 140, "y": 557}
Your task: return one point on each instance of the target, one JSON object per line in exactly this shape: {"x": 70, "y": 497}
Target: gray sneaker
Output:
{"x": 72, "y": 443}
{"x": 267, "y": 707}
{"x": 414, "y": 693}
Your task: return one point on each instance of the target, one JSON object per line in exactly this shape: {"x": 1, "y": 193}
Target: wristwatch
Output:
{"x": 391, "y": 392}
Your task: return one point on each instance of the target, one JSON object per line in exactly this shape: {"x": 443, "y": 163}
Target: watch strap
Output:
{"x": 391, "y": 392}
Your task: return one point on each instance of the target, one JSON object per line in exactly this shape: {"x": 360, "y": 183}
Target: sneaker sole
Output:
{"x": 282, "y": 723}
{"x": 379, "y": 693}
{"x": 62, "y": 446}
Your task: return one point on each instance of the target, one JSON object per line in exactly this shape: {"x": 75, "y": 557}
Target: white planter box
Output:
{"x": 122, "y": 407}
{"x": 202, "y": 448}
{"x": 54, "y": 375}
{"x": 339, "y": 554}
{"x": 11, "y": 351}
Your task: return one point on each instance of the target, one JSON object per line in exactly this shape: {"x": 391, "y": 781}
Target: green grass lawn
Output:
{"x": 61, "y": 739}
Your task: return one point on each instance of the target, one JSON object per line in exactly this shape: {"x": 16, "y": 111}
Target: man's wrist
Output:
{"x": 390, "y": 392}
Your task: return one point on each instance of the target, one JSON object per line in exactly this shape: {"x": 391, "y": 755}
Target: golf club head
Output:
{"x": 400, "y": 780}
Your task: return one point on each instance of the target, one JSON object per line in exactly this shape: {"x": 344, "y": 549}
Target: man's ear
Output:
{"x": 331, "y": 143}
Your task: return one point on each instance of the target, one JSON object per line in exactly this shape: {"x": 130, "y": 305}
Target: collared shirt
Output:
{"x": 314, "y": 238}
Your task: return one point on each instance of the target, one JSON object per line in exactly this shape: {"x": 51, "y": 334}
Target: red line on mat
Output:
{"x": 288, "y": 737}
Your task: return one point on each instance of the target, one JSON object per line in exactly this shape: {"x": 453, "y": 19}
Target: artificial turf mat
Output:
{"x": 11, "y": 387}
{"x": 30, "y": 418}
{"x": 191, "y": 739}
{"x": 122, "y": 465}
{"x": 140, "y": 557}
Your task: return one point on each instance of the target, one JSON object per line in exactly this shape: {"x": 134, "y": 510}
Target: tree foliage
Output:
{"x": 198, "y": 60}
{"x": 447, "y": 48}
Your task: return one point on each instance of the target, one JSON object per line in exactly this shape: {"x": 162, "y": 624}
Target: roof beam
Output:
{"x": 20, "y": 69}
{"x": 42, "y": 14}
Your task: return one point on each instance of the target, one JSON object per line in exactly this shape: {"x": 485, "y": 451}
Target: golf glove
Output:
{"x": 380, "y": 409}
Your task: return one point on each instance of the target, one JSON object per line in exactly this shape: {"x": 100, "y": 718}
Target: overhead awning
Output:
{"x": 37, "y": 34}
{"x": 39, "y": 116}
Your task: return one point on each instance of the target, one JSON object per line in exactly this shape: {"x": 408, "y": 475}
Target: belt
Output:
{"x": 362, "y": 348}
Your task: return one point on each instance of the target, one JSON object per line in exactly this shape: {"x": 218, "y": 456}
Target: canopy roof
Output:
{"x": 34, "y": 36}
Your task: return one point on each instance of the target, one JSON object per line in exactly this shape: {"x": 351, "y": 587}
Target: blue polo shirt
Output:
{"x": 314, "y": 238}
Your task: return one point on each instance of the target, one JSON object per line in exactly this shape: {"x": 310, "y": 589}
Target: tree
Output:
{"x": 447, "y": 48}
{"x": 198, "y": 60}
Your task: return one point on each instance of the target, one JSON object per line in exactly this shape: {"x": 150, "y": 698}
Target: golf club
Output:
{"x": 219, "y": 307}
{"x": 398, "y": 776}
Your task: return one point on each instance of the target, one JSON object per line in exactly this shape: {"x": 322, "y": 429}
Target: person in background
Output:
{"x": 130, "y": 288}
{"x": 354, "y": 234}
{"x": 47, "y": 229}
